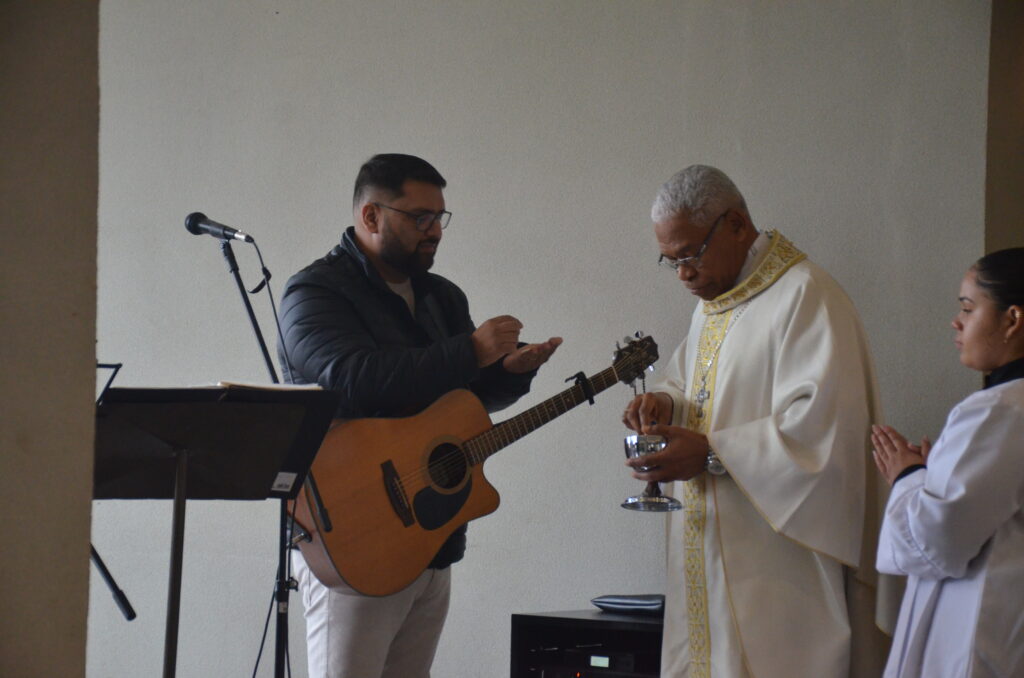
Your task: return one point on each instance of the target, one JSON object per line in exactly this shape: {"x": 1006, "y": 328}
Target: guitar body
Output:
{"x": 394, "y": 491}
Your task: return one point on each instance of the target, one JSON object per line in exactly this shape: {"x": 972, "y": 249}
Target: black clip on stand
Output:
{"x": 284, "y": 582}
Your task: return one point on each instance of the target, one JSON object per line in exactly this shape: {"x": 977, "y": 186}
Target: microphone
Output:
{"x": 197, "y": 223}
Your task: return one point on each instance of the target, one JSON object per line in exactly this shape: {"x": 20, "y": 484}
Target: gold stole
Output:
{"x": 718, "y": 313}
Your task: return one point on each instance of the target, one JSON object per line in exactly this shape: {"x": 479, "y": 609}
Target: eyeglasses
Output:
{"x": 694, "y": 261}
{"x": 422, "y": 220}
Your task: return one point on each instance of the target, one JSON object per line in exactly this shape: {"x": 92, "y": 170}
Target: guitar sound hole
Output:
{"x": 447, "y": 466}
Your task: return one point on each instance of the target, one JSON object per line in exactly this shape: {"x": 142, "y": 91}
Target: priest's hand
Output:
{"x": 684, "y": 456}
{"x": 893, "y": 453}
{"x": 646, "y": 410}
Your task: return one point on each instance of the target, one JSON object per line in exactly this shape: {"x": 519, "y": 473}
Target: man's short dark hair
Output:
{"x": 388, "y": 171}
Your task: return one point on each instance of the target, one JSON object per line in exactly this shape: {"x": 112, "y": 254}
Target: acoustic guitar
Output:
{"x": 395, "y": 489}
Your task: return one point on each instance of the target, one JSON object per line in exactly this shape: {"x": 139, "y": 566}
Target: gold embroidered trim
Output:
{"x": 695, "y": 503}
{"x": 781, "y": 256}
{"x": 728, "y": 589}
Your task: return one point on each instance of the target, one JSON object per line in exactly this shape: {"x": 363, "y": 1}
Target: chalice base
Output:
{"x": 659, "y": 504}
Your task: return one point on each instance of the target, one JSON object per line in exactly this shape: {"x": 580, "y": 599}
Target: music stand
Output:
{"x": 224, "y": 442}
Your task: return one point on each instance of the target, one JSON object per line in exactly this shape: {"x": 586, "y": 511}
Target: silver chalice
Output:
{"x": 651, "y": 499}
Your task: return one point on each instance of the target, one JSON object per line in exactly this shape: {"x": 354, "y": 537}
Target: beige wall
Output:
{"x": 49, "y": 121}
{"x": 1004, "y": 184}
{"x": 856, "y": 128}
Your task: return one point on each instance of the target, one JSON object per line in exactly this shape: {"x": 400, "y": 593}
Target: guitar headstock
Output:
{"x": 637, "y": 355}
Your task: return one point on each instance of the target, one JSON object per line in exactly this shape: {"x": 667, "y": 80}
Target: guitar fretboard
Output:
{"x": 507, "y": 432}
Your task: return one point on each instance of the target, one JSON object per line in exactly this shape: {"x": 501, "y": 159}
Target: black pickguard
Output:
{"x": 447, "y": 469}
{"x": 434, "y": 510}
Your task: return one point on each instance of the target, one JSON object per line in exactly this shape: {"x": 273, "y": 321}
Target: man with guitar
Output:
{"x": 369, "y": 321}
{"x": 766, "y": 408}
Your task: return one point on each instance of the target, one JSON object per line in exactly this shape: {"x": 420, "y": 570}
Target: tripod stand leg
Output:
{"x": 174, "y": 582}
{"x": 119, "y": 597}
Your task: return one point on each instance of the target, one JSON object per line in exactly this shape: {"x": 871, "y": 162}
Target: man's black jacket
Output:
{"x": 345, "y": 330}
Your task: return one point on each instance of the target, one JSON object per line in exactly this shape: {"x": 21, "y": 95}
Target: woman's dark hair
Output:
{"x": 388, "y": 171}
{"x": 1001, "y": 275}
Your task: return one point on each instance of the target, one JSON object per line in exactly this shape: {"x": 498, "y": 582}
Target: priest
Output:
{"x": 766, "y": 408}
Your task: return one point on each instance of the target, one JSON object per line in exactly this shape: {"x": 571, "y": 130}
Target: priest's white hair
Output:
{"x": 699, "y": 191}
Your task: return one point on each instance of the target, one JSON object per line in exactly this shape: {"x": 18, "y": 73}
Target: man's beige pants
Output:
{"x": 350, "y": 635}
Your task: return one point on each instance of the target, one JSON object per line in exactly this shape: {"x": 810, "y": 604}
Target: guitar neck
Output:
{"x": 507, "y": 432}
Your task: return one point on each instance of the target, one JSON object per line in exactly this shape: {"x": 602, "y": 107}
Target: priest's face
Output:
{"x": 980, "y": 327}
{"x": 707, "y": 259}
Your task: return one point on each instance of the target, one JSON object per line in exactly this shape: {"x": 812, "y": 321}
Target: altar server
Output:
{"x": 955, "y": 519}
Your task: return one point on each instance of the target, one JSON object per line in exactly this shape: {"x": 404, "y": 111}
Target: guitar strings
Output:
{"x": 495, "y": 438}
{"x": 422, "y": 476}
{"x": 454, "y": 459}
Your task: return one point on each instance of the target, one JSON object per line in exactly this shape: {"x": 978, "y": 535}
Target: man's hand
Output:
{"x": 531, "y": 356}
{"x": 684, "y": 456}
{"x": 893, "y": 453}
{"x": 646, "y": 410}
{"x": 495, "y": 338}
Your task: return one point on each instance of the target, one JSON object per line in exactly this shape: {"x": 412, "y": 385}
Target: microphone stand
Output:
{"x": 284, "y": 583}
{"x": 229, "y": 256}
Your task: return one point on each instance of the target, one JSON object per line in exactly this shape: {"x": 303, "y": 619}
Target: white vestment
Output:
{"x": 767, "y": 564}
{"x": 957, "y": 528}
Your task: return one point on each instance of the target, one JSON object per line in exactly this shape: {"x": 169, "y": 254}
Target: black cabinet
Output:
{"x": 585, "y": 644}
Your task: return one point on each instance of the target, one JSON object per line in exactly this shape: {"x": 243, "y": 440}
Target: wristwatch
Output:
{"x": 713, "y": 465}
